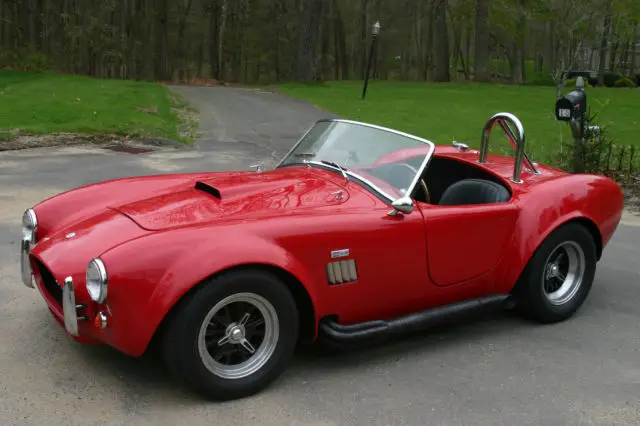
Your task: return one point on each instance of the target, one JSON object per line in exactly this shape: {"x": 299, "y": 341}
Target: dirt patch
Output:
{"x": 188, "y": 115}
{"x": 632, "y": 197}
{"x": 26, "y": 141}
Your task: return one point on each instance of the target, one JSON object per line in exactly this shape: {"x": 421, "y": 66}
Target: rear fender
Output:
{"x": 596, "y": 201}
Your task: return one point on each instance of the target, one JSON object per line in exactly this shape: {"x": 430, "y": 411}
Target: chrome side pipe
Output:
{"x": 517, "y": 140}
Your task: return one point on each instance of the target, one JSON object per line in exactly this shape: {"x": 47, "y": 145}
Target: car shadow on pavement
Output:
{"x": 146, "y": 380}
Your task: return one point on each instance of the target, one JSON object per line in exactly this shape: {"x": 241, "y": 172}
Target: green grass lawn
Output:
{"x": 46, "y": 103}
{"x": 444, "y": 112}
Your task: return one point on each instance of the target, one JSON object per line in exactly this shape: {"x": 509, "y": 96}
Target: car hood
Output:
{"x": 239, "y": 196}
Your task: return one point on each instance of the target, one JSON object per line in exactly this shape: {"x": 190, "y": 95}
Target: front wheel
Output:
{"x": 559, "y": 275}
{"x": 234, "y": 335}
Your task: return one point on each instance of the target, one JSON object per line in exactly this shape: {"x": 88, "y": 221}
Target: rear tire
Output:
{"x": 559, "y": 276}
{"x": 233, "y": 336}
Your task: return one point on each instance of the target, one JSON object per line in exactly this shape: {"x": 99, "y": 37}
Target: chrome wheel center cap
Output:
{"x": 236, "y": 334}
{"x": 554, "y": 270}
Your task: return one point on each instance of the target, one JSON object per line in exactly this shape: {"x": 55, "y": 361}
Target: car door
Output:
{"x": 465, "y": 242}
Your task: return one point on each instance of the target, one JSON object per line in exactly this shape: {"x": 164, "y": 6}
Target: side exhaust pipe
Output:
{"x": 359, "y": 332}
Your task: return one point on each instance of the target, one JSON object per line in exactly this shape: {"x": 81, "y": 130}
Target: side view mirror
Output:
{"x": 402, "y": 204}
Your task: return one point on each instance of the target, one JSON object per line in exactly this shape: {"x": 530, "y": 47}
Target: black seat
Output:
{"x": 474, "y": 191}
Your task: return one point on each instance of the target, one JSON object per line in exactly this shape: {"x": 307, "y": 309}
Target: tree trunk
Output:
{"x": 308, "y": 32}
{"x": 634, "y": 40}
{"x": 517, "y": 52}
{"x": 603, "y": 41}
{"x": 481, "y": 65}
{"x": 342, "y": 62}
{"x": 441, "y": 70}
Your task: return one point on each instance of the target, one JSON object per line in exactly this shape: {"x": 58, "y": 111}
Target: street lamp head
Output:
{"x": 376, "y": 28}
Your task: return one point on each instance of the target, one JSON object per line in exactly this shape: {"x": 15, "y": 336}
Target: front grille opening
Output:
{"x": 49, "y": 282}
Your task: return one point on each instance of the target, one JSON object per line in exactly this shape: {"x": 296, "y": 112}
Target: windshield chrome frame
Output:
{"x": 356, "y": 176}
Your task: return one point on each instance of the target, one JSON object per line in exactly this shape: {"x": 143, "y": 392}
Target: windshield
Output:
{"x": 385, "y": 160}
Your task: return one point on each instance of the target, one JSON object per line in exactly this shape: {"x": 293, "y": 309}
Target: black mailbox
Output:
{"x": 572, "y": 106}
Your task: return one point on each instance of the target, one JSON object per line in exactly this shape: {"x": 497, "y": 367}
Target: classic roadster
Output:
{"x": 359, "y": 232}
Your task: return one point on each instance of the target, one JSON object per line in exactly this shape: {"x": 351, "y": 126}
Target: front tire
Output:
{"x": 559, "y": 276}
{"x": 234, "y": 335}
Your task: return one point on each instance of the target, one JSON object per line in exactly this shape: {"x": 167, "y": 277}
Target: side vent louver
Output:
{"x": 341, "y": 272}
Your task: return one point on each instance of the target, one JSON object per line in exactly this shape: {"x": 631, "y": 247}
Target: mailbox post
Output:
{"x": 572, "y": 108}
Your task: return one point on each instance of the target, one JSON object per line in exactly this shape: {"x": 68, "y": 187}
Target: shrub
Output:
{"x": 24, "y": 60}
{"x": 542, "y": 79}
{"x": 592, "y": 149}
{"x": 624, "y": 82}
{"x": 610, "y": 79}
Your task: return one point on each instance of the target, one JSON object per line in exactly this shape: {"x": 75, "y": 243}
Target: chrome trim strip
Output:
{"x": 25, "y": 264}
{"x": 295, "y": 145}
{"x": 382, "y": 193}
{"x": 69, "y": 307}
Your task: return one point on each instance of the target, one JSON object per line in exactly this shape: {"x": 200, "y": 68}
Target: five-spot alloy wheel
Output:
{"x": 233, "y": 335}
{"x": 559, "y": 275}
{"x": 238, "y": 335}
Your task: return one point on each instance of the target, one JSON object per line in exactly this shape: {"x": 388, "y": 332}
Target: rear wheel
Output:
{"x": 559, "y": 276}
{"x": 234, "y": 335}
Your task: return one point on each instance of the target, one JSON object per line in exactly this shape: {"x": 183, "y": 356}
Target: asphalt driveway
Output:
{"x": 492, "y": 370}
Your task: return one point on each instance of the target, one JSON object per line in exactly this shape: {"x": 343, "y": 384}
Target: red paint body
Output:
{"x": 159, "y": 236}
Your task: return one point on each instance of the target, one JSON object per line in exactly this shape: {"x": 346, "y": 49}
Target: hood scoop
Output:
{"x": 201, "y": 186}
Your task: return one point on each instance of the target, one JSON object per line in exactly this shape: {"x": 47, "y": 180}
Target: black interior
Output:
{"x": 483, "y": 187}
{"x": 450, "y": 182}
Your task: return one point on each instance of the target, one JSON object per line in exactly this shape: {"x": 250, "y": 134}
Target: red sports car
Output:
{"x": 359, "y": 232}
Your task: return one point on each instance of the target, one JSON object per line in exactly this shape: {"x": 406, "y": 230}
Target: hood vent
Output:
{"x": 208, "y": 189}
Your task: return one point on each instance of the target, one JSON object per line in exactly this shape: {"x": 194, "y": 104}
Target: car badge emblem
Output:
{"x": 70, "y": 235}
{"x": 339, "y": 253}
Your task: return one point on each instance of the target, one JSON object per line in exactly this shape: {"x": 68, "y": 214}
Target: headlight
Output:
{"x": 29, "y": 225}
{"x": 97, "y": 281}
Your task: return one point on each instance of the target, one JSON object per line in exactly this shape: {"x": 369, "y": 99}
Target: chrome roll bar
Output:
{"x": 517, "y": 139}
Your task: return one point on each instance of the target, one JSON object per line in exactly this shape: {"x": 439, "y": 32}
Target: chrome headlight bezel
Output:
{"x": 29, "y": 225}
{"x": 96, "y": 280}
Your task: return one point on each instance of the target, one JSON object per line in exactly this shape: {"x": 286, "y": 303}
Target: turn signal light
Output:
{"x": 100, "y": 321}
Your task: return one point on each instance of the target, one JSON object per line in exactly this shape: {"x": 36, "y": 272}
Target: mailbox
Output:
{"x": 571, "y": 107}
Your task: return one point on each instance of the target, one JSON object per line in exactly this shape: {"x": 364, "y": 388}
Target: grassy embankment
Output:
{"x": 42, "y": 103}
{"x": 444, "y": 112}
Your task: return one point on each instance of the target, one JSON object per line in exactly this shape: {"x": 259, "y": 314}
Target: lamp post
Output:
{"x": 375, "y": 30}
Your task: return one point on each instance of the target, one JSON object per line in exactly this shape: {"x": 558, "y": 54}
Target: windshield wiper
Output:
{"x": 343, "y": 170}
{"x": 305, "y": 154}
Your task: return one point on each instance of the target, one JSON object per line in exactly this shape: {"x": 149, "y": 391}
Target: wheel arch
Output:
{"x": 303, "y": 300}
{"x": 584, "y": 221}
{"x": 593, "y": 230}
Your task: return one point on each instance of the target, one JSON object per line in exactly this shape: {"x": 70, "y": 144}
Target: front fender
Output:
{"x": 149, "y": 275}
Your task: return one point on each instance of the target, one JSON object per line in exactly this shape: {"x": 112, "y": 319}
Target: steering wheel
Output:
{"x": 414, "y": 172}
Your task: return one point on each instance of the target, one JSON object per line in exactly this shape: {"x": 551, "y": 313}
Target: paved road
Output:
{"x": 493, "y": 370}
